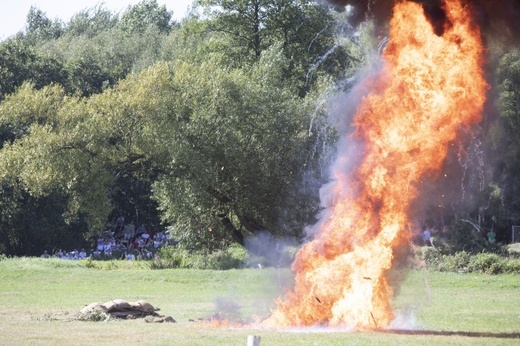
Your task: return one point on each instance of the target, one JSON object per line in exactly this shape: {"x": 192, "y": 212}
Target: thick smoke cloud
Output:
{"x": 497, "y": 19}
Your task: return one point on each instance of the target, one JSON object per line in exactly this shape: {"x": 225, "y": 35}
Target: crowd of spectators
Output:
{"x": 72, "y": 255}
{"x": 120, "y": 240}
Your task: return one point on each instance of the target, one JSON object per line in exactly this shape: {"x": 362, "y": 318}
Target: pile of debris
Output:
{"x": 122, "y": 309}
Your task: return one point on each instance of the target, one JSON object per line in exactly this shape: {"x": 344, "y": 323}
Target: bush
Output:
{"x": 512, "y": 266}
{"x": 513, "y": 250}
{"x": 230, "y": 258}
{"x": 170, "y": 257}
{"x": 458, "y": 262}
{"x": 225, "y": 259}
{"x": 173, "y": 257}
{"x": 433, "y": 258}
{"x": 487, "y": 263}
{"x": 112, "y": 264}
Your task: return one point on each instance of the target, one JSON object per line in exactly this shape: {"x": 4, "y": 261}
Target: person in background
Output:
{"x": 131, "y": 229}
{"x": 427, "y": 237}
{"x": 120, "y": 222}
{"x": 96, "y": 254}
{"x": 491, "y": 236}
{"x": 107, "y": 250}
{"x": 82, "y": 254}
{"x": 146, "y": 237}
{"x": 101, "y": 244}
{"x": 140, "y": 230}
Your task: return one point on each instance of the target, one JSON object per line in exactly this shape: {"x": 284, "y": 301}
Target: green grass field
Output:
{"x": 39, "y": 299}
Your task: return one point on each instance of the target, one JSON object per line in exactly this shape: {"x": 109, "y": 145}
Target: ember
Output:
{"x": 430, "y": 87}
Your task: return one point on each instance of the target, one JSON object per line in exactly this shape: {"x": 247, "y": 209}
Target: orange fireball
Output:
{"x": 429, "y": 88}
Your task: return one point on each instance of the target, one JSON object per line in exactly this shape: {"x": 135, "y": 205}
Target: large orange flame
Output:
{"x": 428, "y": 89}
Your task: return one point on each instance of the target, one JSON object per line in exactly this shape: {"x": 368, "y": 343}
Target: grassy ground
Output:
{"x": 39, "y": 299}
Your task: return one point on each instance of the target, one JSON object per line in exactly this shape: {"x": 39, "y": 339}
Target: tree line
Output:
{"x": 215, "y": 126}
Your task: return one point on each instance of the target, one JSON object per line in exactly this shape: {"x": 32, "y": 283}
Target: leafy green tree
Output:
{"x": 96, "y": 59}
{"x": 40, "y": 27}
{"x": 223, "y": 157}
{"x": 509, "y": 78}
{"x": 244, "y": 21}
{"x": 44, "y": 216}
{"x": 225, "y": 154}
{"x": 238, "y": 152}
{"x": 506, "y": 134}
{"x": 146, "y": 14}
{"x": 19, "y": 62}
{"x": 305, "y": 29}
{"x": 91, "y": 22}
{"x": 47, "y": 157}
{"x": 86, "y": 77}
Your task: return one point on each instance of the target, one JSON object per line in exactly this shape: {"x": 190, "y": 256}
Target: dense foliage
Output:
{"x": 464, "y": 262}
{"x": 138, "y": 115}
{"x": 214, "y": 127}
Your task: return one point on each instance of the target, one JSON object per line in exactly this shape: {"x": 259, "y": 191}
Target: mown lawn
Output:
{"x": 40, "y": 298}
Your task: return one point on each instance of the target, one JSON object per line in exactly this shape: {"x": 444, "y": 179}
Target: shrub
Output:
{"x": 230, "y": 258}
{"x": 512, "y": 266}
{"x": 173, "y": 257}
{"x": 433, "y": 258}
{"x": 487, "y": 263}
{"x": 89, "y": 263}
{"x": 224, "y": 259}
{"x": 95, "y": 315}
{"x": 513, "y": 250}
{"x": 169, "y": 257}
{"x": 457, "y": 262}
{"x": 113, "y": 264}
